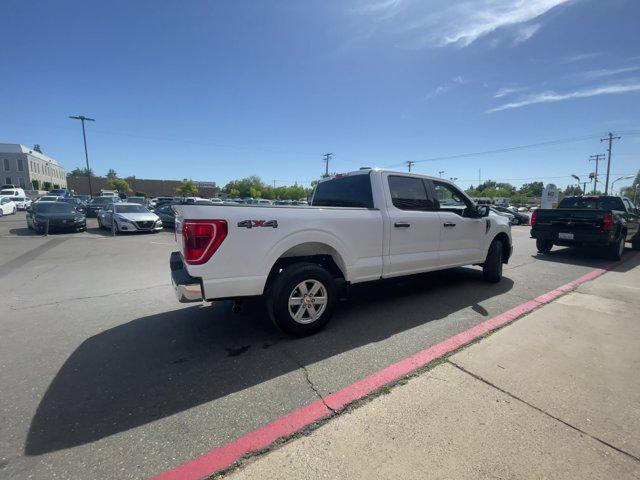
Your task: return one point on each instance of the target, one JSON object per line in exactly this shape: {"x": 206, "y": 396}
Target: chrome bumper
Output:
{"x": 187, "y": 288}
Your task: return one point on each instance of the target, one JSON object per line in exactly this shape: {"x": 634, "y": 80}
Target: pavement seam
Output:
{"x": 515, "y": 397}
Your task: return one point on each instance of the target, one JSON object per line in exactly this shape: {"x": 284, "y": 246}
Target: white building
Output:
{"x": 22, "y": 165}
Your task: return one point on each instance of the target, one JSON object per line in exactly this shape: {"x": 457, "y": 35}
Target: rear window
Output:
{"x": 593, "y": 203}
{"x": 349, "y": 191}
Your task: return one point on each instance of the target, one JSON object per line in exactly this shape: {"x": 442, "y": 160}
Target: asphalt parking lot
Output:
{"x": 105, "y": 375}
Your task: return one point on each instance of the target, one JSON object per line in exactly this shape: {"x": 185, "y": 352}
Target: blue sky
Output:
{"x": 215, "y": 90}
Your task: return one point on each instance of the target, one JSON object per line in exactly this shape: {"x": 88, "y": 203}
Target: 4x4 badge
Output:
{"x": 258, "y": 223}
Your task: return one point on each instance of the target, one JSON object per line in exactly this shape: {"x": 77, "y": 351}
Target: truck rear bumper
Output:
{"x": 187, "y": 288}
{"x": 579, "y": 238}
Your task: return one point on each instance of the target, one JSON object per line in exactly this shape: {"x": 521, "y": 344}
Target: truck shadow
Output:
{"x": 159, "y": 365}
{"x": 588, "y": 257}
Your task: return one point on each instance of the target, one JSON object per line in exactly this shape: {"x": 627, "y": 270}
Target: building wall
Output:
{"x": 20, "y": 168}
{"x": 152, "y": 188}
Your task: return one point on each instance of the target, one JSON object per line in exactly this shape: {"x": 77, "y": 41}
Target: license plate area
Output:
{"x": 565, "y": 236}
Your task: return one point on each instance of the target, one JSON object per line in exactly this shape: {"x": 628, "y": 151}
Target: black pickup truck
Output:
{"x": 602, "y": 221}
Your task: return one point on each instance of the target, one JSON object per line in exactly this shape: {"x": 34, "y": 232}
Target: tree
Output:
{"x": 631, "y": 191}
{"x": 572, "y": 191}
{"x": 36, "y": 184}
{"x": 533, "y": 189}
{"x": 46, "y": 186}
{"x": 80, "y": 172}
{"x": 111, "y": 174}
{"x": 233, "y": 193}
{"x": 187, "y": 188}
{"x": 118, "y": 184}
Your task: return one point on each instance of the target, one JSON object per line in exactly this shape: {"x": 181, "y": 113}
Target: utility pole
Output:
{"x": 410, "y": 164}
{"x": 479, "y": 176}
{"x": 327, "y": 157}
{"x": 274, "y": 184}
{"x": 596, "y": 158}
{"x": 82, "y": 118}
{"x": 610, "y": 138}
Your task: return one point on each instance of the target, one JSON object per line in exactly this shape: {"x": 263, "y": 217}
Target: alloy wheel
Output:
{"x": 307, "y": 301}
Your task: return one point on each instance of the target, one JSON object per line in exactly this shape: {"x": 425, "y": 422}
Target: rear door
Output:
{"x": 462, "y": 233}
{"x": 414, "y": 226}
{"x": 632, "y": 219}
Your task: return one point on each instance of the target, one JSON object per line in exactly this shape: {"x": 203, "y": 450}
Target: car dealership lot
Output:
{"x": 105, "y": 375}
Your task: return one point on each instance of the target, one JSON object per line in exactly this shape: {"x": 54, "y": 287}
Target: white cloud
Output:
{"x": 551, "y": 96}
{"x": 526, "y": 32}
{"x": 578, "y": 57}
{"x": 604, "y": 72}
{"x": 441, "y": 22}
{"x": 503, "y": 92}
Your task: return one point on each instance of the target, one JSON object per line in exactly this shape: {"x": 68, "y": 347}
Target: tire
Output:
{"x": 492, "y": 266}
{"x": 14, "y": 211}
{"x": 615, "y": 250}
{"x": 311, "y": 315}
{"x": 544, "y": 246}
{"x": 100, "y": 226}
{"x": 635, "y": 243}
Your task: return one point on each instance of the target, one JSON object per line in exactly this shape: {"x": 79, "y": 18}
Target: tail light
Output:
{"x": 534, "y": 214}
{"x": 201, "y": 238}
{"x": 607, "y": 222}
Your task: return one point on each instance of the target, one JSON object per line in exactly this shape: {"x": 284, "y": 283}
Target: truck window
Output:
{"x": 593, "y": 203}
{"x": 348, "y": 191}
{"x": 449, "y": 197}
{"x": 409, "y": 193}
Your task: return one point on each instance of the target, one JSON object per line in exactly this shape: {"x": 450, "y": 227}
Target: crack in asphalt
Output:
{"x": 305, "y": 374}
{"x": 557, "y": 419}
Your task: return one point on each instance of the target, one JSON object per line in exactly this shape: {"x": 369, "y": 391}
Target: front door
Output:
{"x": 462, "y": 235}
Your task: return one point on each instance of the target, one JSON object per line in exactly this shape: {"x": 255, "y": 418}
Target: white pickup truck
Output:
{"x": 362, "y": 226}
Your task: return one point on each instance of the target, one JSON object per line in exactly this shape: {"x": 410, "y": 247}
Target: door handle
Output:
{"x": 402, "y": 225}
{"x": 447, "y": 224}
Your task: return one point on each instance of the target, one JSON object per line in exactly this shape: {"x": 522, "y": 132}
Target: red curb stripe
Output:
{"x": 226, "y": 455}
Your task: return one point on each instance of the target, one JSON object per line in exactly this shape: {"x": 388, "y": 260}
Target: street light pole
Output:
{"x": 440, "y": 173}
{"x": 619, "y": 178}
{"x": 82, "y": 119}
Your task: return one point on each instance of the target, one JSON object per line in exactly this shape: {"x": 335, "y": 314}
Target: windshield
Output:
{"x": 57, "y": 207}
{"x": 136, "y": 199}
{"x": 130, "y": 209}
{"x": 593, "y": 203}
{"x": 7, "y": 192}
{"x": 101, "y": 200}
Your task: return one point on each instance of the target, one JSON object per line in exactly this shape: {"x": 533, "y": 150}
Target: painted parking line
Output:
{"x": 226, "y": 455}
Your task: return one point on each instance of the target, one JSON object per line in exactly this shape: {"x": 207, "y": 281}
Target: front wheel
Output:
{"x": 544, "y": 246}
{"x": 492, "y": 266}
{"x": 302, "y": 299}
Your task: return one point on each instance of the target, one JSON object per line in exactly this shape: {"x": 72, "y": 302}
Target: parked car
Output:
{"x": 154, "y": 202}
{"x": 139, "y": 200}
{"x": 7, "y": 206}
{"x": 83, "y": 198}
{"x": 76, "y": 202}
{"x": 109, "y": 193}
{"x": 509, "y": 216}
{"x": 98, "y": 203}
{"x": 601, "y": 221}
{"x": 47, "y": 198}
{"x": 129, "y": 217}
{"x": 166, "y": 214}
{"x": 12, "y": 191}
{"x": 520, "y": 217}
{"x": 55, "y": 216}
{"x": 60, "y": 192}
{"x": 361, "y": 226}
{"x": 22, "y": 202}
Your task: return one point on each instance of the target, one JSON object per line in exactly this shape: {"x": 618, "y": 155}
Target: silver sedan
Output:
{"x": 128, "y": 217}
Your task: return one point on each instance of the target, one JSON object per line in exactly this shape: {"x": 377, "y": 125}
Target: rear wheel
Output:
{"x": 544, "y": 246}
{"x": 302, "y": 298}
{"x": 616, "y": 249}
{"x": 492, "y": 266}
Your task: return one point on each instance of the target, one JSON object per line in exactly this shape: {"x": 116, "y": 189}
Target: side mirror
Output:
{"x": 482, "y": 211}
{"x": 28, "y": 209}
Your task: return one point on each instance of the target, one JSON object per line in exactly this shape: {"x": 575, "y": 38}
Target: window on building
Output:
{"x": 6, "y": 164}
{"x": 22, "y": 183}
{"x": 7, "y": 180}
{"x": 20, "y": 166}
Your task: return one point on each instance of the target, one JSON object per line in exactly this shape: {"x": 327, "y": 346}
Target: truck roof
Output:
{"x": 367, "y": 170}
